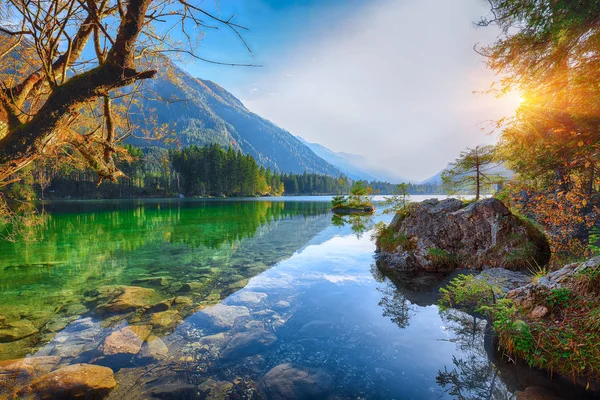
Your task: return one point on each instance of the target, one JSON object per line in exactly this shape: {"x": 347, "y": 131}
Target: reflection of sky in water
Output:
{"x": 338, "y": 302}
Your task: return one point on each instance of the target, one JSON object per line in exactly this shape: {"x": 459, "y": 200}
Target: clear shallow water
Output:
{"x": 245, "y": 286}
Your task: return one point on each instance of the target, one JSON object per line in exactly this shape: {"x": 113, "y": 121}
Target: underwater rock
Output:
{"x": 191, "y": 287}
{"x": 154, "y": 349}
{"x": 215, "y": 390}
{"x": 248, "y": 297}
{"x": 159, "y": 307}
{"x": 77, "y": 381}
{"x": 282, "y": 304}
{"x": 122, "y": 299}
{"x": 174, "y": 391}
{"x": 290, "y": 381}
{"x": 127, "y": 340}
{"x": 151, "y": 281}
{"x": 221, "y": 316}
{"x": 17, "y": 373}
{"x": 183, "y": 301}
{"x": 165, "y": 319}
{"x": 248, "y": 343}
{"x": 16, "y": 330}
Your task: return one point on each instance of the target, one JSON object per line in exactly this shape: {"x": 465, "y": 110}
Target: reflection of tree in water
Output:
{"x": 358, "y": 222}
{"x": 395, "y": 305}
{"x": 474, "y": 375}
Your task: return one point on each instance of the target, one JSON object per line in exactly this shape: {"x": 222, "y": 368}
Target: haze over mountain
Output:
{"x": 354, "y": 166}
{"x": 201, "y": 112}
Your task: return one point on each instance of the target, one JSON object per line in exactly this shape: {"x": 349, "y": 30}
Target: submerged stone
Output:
{"x": 16, "y": 330}
{"x": 289, "y": 381}
{"x": 78, "y": 381}
{"x": 127, "y": 340}
{"x": 122, "y": 299}
{"x": 154, "y": 349}
{"x": 174, "y": 391}
{"x": 165, "y": 319}
{"x": 222, "y": 316}
{"x": 215, "y": 390}
{"x": 151, "y": 281}
{"x": 248, "y": 297}
{"x": 246, "y": 344}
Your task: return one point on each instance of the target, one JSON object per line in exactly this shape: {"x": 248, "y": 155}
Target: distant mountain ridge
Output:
{"x": 202, "y": 112}
{"x": 353, "y": 165}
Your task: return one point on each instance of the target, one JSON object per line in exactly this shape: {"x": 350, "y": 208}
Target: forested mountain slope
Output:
{"x": 202, "y": 112}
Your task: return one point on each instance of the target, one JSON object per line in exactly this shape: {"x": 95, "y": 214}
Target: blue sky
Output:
{"x": 391, "y": 80}
{"x": 275, "y": 29}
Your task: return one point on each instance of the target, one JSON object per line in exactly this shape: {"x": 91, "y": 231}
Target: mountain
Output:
{"x": 353, "y": 165}
{"x": 201, "y": 112}
{"x": 342, "y": 161}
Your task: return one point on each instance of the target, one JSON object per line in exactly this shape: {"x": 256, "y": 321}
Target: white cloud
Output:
{"x": 393, "y": 83}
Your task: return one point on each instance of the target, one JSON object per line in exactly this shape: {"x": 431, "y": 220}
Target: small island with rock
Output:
{"x": 357, "y": 202}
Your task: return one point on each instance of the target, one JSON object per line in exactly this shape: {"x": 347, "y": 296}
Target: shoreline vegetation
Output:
{"x": 541, "y": 312}
{"x": 193, "y": 171}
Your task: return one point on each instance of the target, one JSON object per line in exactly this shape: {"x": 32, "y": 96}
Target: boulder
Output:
{"x": 127, "y": 340}
{"x": 123, "y": 299}
{"x": 77, "y": 381}
{"x": 290, "y": 381}
{"x": 444, "y": 235}
{"x": 248, "y": 343}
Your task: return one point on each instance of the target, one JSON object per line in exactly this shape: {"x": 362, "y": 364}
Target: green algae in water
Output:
{"x": 213, "y": 246}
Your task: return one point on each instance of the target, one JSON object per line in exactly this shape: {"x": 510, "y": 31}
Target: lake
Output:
{"x": 232, "y": 298}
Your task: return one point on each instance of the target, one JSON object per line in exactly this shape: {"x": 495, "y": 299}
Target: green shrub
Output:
{"x": 387, "y": 239}
{"x": 441, "y": 257}
{"x": 468, "y": 293}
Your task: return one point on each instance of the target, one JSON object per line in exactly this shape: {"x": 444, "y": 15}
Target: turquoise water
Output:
{"x": 233, "y": 289}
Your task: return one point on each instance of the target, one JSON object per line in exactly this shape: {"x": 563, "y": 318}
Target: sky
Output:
{"x": 395, "y": 81}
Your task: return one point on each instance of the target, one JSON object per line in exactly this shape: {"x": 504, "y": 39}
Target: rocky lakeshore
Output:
{"x": 547, "y": 319}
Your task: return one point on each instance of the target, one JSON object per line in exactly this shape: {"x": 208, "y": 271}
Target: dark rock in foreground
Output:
{"x": 445, "y": 235}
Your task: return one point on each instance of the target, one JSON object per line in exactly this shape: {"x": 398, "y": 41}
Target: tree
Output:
{"x": 549, "y": 51}
{"x": 398, "y": 200}
{"x": 472, "y": 170}
{"x": 64, "y": 62}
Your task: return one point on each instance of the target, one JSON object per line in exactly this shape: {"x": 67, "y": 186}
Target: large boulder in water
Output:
{"x": 442, "y": 235}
